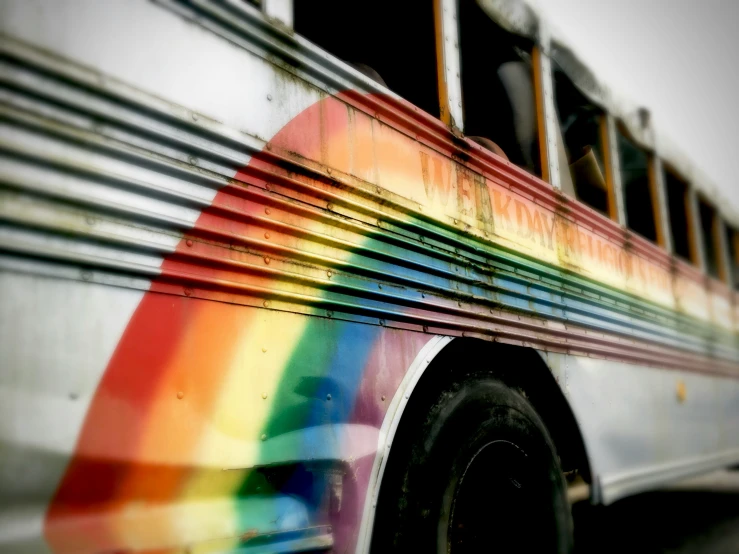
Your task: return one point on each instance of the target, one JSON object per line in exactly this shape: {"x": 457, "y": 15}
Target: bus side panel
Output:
{"x": 644, "y": 426}
{"x": 155, "y": 421}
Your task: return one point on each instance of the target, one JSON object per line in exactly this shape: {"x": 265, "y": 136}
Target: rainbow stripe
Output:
{"x": 217, "y": 424}
{"x": 201, "y": 396}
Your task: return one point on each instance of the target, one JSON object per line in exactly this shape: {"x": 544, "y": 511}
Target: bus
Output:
{"x": 288, "y": 276}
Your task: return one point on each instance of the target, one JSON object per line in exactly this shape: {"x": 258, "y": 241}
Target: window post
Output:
{"x": 695, "y": 232}
{"x": 546, "y": 115}
{"x": 659, "y": 201}
{"x": 448, "y": 66}
{"x": 613, "y": 170}
{"x": 281, "y": 10}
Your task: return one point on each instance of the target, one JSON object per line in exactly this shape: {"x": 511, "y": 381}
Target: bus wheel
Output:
{"x": 475, "y": 472}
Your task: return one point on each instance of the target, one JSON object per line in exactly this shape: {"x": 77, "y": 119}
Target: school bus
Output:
{"x": 286, "y": 276}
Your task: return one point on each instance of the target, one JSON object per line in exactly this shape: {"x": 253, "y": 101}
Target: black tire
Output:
{"x": 473, "y": 471}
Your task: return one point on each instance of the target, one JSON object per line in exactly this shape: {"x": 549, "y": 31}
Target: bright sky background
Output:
{"x": 678, "y": 58}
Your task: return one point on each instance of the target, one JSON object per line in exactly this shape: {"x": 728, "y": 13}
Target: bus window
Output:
{"x": 677, "y": 196}
{"x": 636, "y": 187}
{"x": 497, "y": 87}
{"x": 708, "y": 225}
{"x": 393, "y": 43}
{"x": 732, "y": 244}
{"x": 580, "y": 124}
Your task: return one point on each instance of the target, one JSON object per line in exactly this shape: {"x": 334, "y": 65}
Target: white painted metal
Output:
{"x": 638, "y": 432}
{"x": 50, "y": 371}
{"x": 212, "y": 77}
{"x": 387, "y": 433}
{"x": 551, "y": 122}
{"x": 280, "y": 10}
{"x": 452, "y": 63}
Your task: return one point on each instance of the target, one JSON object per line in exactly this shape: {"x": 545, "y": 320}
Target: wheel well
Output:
{"x": 518, "y": 367}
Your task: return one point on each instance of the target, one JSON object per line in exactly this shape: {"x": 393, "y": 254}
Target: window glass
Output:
{"x": 498, "y": 88}
{"x": 677, "y": 191}
{"x": 636, "y": 189}
{"x": 582, "y": 170}
{"x": 393, "y": 43}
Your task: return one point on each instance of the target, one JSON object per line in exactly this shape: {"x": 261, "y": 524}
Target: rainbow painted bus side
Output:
{"x": 272, "y": 292}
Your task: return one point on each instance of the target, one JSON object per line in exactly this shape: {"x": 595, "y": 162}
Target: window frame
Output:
{"x": 652, "y": 184}
{"x": 448, "y": 55}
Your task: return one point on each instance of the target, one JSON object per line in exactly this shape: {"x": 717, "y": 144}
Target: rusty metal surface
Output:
{"x": 441, "y": 277}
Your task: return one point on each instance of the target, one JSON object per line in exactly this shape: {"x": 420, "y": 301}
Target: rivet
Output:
{"x": 188, "y": 242}
{"x": 266, "y": 187}
{"x": 382, "y": 322}
{"x": 328, "y": 396}
{"x": 264, "y": 349}
{"x": 328, "y": 273}
{"x": 267, "y": 211}
{"x": 330, "y": 206}
{"x": 266, "y": 303}
{"x": 264, "y": 396}
{"x": 269, "y": 97}
{"x": 90, "y": 220}
{"x": 86, "y": 275}
{"x": 269, "y": 146}
{"x": 425, "y": 328}
{"x": 382, "y": 398}
{"x": 194, "y": 116}
{"x": 329, "y": 529}
{"x": 329, "y": 170}
{"x": 266, "y": 260}
{"x": 193, "y": 160}
{"x": 180, "y": 395}
{"x": 379, "y": 190}
{"x": 264, "y": 437}
{"x": 266, "y": 235}
{"x": 329, "y": 313}
{"x": 379, "y": 286}
{"x": 73, "y": 396}
{"x": 188, "y": 291}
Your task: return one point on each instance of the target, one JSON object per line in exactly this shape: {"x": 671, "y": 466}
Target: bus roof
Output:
{"x": 520, "y": 18}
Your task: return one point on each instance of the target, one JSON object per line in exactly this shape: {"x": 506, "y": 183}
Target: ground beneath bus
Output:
{"x": 700, "y": 516}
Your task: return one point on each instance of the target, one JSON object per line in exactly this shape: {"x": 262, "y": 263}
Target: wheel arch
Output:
{"x": 444, "y": 358}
